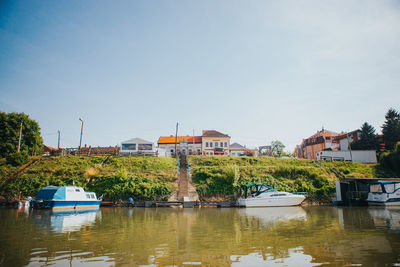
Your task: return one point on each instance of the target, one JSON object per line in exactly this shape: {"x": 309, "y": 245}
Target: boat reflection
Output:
{"x": 65, "y": 221}
{"x": 272, "y": 215}
{"x": 388, "y": 217}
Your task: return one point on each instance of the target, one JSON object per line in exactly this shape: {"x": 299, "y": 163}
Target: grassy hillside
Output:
{"x": 155, "y": 178}
{"x": 221, "y": 177}
{"x": 119, "y": 177}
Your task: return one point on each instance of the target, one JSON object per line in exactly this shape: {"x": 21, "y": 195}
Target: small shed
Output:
{"x": 354, "y": 191}
{"x": 137, "y": 146}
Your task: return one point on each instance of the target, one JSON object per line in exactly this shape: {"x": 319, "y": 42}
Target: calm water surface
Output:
{"x": 292, "y": 236}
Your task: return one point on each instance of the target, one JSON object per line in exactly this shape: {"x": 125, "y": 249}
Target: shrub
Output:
{"x": 391, "y": 160}
{"x": 17, "y": 158}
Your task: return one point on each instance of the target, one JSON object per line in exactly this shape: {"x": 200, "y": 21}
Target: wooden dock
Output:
{"x": 168, "y": 204}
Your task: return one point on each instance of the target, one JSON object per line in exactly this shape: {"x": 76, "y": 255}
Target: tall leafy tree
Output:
{"x": 277, "y": 148}
{"x": 391, "y": 129}
{"x": 368, "y": 140}
{"x": 10, "y": 123}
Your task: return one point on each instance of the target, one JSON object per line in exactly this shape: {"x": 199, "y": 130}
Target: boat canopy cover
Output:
{"x": 255, "y": 189}
{"x": 250, "y": 185}
{"x": 51, "y": 193}
{"x": 385, "y": 182}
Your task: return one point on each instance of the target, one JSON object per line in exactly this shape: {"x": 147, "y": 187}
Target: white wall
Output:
{"x": 344, "y": 144}
{"x": 363, "y": 156}
{"x": 164, "y": 150}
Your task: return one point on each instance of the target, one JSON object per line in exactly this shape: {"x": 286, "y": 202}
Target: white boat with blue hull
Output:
{"x": 260, "y": 195}
{"x": 384, "y": 193}
{"x": 65, "y": 198}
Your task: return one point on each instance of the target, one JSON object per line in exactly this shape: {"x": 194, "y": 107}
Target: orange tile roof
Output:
{"x": 171, "y": 139}
{"x": 323, "y": 133}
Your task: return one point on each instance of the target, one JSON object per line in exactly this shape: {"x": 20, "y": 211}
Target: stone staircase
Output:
{"x": 185, "y": 187}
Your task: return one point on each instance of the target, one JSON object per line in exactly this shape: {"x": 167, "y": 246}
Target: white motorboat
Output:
{"x": 260, "y": 195}
{"x": 384, "y": 193}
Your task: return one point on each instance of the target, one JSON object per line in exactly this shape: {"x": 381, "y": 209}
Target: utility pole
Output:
{"x": 80, "y": 142}
{"x": 348, "y": 141}
{"x": 20, "y": 136}
{"x": 58, "y": 146}
{"x": 176, "y": 140}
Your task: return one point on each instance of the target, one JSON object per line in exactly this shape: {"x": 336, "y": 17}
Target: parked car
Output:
{"x": 219, "y": 151}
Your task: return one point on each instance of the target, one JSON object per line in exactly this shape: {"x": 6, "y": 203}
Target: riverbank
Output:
{"x": 155, "y": 179}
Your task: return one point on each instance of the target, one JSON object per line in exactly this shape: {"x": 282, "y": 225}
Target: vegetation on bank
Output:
{"x": 152, "y": 178}
{"x": 143, "y": 178}
{"x": 391, "y": 160}
{"x": 221, "y": 177}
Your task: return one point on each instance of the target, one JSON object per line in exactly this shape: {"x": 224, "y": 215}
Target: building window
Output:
{"x": 233, "y": 153}
{"x": 206, "y": 144}
{"x": 145, "y": 146}
{"x": 210, "y": 144}
{"x": 226, "y": 144}
{"x": 221, "y": 144}
{"x": 216, "y": 144}
{"x": 128, "y": 146}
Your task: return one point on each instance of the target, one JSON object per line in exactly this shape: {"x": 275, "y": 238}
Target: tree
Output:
{"x": 368, "y": 140}
{"x": 277, "y": 148}
{"x": 31, "y": 141}
{"x": 391, "y": 129}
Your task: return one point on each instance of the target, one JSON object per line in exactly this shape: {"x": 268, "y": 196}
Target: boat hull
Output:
{"x": 384, "y": 203}
{"x": 67, "y": 204}
{"x": 286, "y": 201}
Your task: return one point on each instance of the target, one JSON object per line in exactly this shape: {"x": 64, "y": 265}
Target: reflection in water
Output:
{"x": 64, "y": 221}
{"x": 274, "y": 214}
{"x": 388, "y": 217}
{"x": 292, "y": 236}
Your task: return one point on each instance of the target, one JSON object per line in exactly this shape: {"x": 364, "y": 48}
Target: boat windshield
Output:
{"x": 263, "y": 188}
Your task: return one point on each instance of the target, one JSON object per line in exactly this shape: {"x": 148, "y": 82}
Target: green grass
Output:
{"x": 152, "y": 178}
{"x": 121, "y": 177}
{"x": 222, "y": 176}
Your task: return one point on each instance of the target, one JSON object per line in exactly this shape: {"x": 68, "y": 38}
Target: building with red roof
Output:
{"x": 319, "y": 141}
{"x": 211, "y": 142}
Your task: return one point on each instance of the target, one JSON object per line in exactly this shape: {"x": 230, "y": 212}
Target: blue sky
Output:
{"x": 256, "y": 70}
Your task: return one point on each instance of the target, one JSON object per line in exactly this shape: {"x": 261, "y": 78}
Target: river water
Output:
{"x": 289, "y": 236}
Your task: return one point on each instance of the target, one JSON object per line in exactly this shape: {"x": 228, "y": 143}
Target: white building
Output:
{"x": 237, "y": 150}
{"x": 137, "y": 146}
{"x": 166, "y": 145}
{"x": 362, "y": 156}
{"x": 344, "y": 139}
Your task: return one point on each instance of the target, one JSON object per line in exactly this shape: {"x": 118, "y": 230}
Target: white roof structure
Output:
{"x": 136, "y": 141}
{"x": 236, "y": 146}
